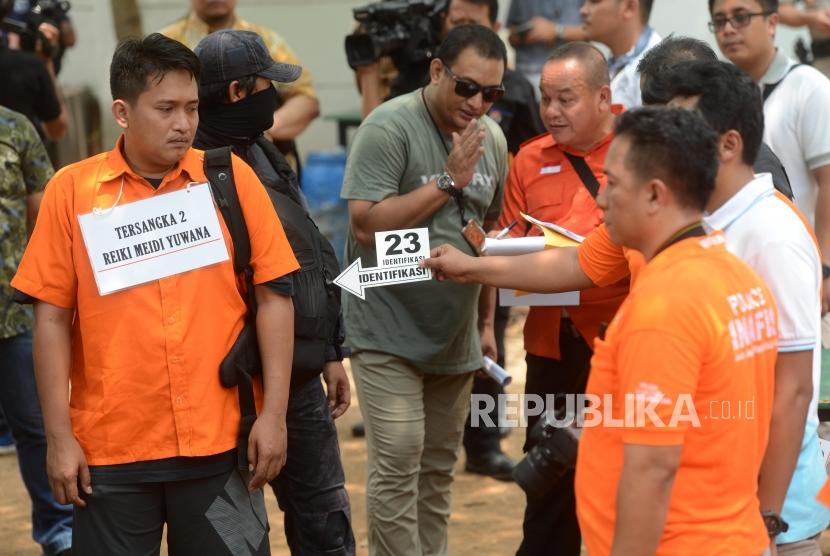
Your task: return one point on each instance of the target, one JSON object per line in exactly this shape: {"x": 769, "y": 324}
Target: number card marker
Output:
{"x": 398, "y": 255}
{"x": 402, "y": 247}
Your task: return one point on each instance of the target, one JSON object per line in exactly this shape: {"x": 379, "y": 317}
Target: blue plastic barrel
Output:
{"x": 322, "y": 179}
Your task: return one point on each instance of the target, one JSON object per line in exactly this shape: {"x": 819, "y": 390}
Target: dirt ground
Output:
{"x": 486, "y": 518}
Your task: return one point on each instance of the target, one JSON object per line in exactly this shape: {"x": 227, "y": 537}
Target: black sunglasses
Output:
{"x": 468, "y": 89}
{"x": 738, "y": 20}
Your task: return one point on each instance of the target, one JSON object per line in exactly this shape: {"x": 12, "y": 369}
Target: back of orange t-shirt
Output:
{"x": 696, "y": 341}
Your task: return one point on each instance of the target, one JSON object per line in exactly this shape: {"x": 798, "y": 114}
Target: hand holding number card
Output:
{"x": 398, "y": 255}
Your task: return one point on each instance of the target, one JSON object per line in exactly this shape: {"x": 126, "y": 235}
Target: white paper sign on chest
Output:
{"x": 153, "y": 238}
{"x": 398, "y": 255}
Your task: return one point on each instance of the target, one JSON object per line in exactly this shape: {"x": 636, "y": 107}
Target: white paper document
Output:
{"x": 513, "y": 298}
{"x": 554, "y": 227}
{"x": 513, "y": 245}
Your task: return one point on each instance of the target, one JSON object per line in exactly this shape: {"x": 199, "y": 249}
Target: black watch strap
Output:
{"x": 825, "y": 271}
{"x": 775, "y": 523}
{"x": 447, "y": 185}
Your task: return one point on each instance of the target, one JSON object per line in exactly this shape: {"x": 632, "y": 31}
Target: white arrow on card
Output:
{"x": 355, "y": 279}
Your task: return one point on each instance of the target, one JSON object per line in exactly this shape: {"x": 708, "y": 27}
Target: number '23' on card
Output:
{"x": 402, "y": 247}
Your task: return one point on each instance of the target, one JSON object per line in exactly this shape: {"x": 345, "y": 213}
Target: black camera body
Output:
{"x": 553, "y": 455}
{"x": 43, "y": 11}
{"x": 406, "y": 30}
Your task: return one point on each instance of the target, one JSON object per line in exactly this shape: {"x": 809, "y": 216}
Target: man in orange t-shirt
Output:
{"x": 149, "y": 436}
{"x": 655, "y": 475}
{"x": 544, "y": 182}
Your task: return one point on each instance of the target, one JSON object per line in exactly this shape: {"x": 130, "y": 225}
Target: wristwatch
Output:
{"x": 560, "y": 33}
{"x": 775, "y": 524}
{"x": 447, "y": 185}
{"x": 825, "y": 271}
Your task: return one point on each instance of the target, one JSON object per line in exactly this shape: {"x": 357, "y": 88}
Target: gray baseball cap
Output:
{"x": 229, "y": 54}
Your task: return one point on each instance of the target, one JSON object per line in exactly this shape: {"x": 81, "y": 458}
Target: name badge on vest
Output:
{"x": 154, "y": 238}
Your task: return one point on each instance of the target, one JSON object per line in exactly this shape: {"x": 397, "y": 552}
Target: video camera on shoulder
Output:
{"x": 406, "y": 30}
{"x": 42, "y": 11}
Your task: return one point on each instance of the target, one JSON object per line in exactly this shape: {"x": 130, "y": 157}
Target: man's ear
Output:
{"x": 772, "y": 24}
{"x": 658, "y": 195}
{"x": 730, "y": 146}
{"x": 435, "y": 69}
{"x": 605, "y": 98}
{"x": 235, "y": 92}
{"x": 121, "y": 112}
{"x": 630, "y": 8}
{"x": 497, "y": 26}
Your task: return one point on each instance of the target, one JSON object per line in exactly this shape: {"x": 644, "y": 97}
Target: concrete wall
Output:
{"x": 315, "y": 30}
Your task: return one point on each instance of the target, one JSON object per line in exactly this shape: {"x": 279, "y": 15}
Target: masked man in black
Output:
{"x": 237, "y": 100}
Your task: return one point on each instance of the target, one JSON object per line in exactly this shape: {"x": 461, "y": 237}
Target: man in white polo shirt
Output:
{"x": 796, "y": 101}
{"x": 622, "y": 26}
{"x": 774, "y": 238}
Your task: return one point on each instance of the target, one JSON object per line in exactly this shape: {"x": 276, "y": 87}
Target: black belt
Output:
{"x": 821, "y": 48}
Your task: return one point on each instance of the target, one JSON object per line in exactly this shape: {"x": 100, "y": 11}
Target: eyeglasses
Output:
{"x": 738, "y": 20}
{"x": 468, "y": 89}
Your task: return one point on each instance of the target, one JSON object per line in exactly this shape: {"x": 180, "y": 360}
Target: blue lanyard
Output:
{"x": 616, "y": 65}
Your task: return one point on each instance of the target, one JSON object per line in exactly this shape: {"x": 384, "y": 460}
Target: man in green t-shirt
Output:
{"x": 431, "y": 158}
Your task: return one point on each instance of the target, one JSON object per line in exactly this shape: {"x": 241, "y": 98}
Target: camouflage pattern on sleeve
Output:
{"x": 26, "y": 169}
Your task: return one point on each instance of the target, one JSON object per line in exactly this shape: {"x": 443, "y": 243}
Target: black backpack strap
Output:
{"x": 769, "y": 88}
{"x": 247, "y": 417}
{"x": 219, "y": 171}
{"x": 585, "y": 174}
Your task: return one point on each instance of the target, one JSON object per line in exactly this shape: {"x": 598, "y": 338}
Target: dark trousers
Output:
{"x": 4, "y": 427}
{"x": 51, "y": 522}
{"x": 210, "y": 516}
{"x": 482, "y": 439}
{"x": 310, "y": 489}
{"x": 550, "y": 525}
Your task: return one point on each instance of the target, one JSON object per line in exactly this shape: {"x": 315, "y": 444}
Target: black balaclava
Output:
{"x": 236, "y": 123}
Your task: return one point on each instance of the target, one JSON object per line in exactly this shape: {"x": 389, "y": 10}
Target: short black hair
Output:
{"x": 484, "y": 41}
{"x": 645, "y": 10}
{"x": 136, "y": 61}
{"x": 766, "y": 5}
{"x": 214, "y": 94}
{"x": 662, "y": 141}
{"x": 662, "y": 57}
{"x": 596, "y": 67}
{"x": 729, "y": 99}
{"x": 492, "y": 5}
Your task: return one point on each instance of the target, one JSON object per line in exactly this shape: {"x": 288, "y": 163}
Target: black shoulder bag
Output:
{"x": 589, "y": 180}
